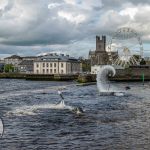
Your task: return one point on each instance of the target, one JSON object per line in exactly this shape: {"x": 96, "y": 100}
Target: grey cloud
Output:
{"x": 119, "y": 3}
{"x": 22, "y": 50}
{"x": 25, "y": 24}
{"x": 8, "y": 7}
{"x": 39, "y": 28}
{"x": 48, "y": 33}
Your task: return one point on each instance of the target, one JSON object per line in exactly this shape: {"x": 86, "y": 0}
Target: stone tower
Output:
{"x": 100, "y": 44}
{"x": 100, "y": 53}
{"x": 99, "y": 56}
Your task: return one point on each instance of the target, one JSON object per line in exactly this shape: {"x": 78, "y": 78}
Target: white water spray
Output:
{"x": 102, "y": 78}
{"x": 1, "y": 128}
{"x": 103, "y": 84}
{"x": 34, "y": 109}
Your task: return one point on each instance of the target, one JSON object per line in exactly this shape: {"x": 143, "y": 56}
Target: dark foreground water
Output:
{"x": 109, "y": 122}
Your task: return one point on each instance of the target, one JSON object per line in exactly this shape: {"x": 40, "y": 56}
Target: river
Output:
{"x": 108, "y": 122}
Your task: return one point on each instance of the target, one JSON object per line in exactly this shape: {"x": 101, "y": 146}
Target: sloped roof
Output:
{"x": 26, "y": 62}
{"x": 13, "y": 57}
{"x": 57, "y": 57}
{"x": 26, "y": 57}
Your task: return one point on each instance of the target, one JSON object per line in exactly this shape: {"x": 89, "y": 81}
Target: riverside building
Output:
{"x": 57, "y": 64}
{"x": 99, "y": 57}
{"x": 14, "y": 60}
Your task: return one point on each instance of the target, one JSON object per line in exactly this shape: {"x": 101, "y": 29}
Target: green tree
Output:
{"x": 8, "y": 68}
{"x": 86, "y": 67}
{"x": 86, "y": 64}
{"x": 143, "y": 62}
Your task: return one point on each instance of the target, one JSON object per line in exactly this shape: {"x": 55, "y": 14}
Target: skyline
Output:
{"x": 67, "y": 26}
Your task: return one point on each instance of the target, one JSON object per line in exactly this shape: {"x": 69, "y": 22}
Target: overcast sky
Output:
{"x": 30, "y": 27}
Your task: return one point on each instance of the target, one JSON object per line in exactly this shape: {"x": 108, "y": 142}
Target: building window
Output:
{"x": 43, "y": 64}
{"x": 47, "y": 65}
{"x": 37, "y": 65}
{"x": 51, "y": 65}
{"x": 54, "y": 64}
{"x": 54, "y": 70}
{"x": 62, "y": 71}
{"x": 37, "y": 71}
{"x": 62, "y": 65}
{"x": 47, "y": 71}
{"x": 51, "y": 70}
{"x": 43, "y": 70}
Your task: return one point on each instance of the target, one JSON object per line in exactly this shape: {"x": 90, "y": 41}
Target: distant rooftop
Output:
{"x": 26, "y": 62}
{"x": 13, "y": 57}
{"x": 47, "y": 57}
{"x": 29, "y": 57}
{"x": 57, "y": 57}
{"x": 20, "y": 57}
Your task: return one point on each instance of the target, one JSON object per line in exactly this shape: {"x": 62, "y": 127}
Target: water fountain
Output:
{"x": 103, "y": 84}
{"x": 1, "y": 128}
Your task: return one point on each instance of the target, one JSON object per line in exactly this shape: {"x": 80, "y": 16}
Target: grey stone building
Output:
{"x": 21, "y": 64}
{"x": 99, "y": 56}
{"x": 14, "y": 60}
{"x": 26, "y": 66}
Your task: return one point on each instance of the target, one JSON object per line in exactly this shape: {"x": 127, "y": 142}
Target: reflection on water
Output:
{"x": 33, "y": 122}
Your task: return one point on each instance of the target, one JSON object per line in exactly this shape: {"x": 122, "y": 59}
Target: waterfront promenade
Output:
{"x": 130, "y": 74}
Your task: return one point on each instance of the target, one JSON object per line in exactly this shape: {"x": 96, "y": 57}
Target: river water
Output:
{"x": 108, "y": 122}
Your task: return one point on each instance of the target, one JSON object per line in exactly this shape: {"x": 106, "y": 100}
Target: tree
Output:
{"x": 8, "y": 68}
{"x": 1, "y": 67}
{"x": 86, "y": 65}
{"x": 143, "y": 62}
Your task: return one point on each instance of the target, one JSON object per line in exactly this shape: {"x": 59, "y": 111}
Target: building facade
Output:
{"x": 99, "y": 57}
{"x": 14, "y": 60}
{"x": 57, "y": 64}
{"x": 21, "y": 64}
{"x": 26, "y": 66}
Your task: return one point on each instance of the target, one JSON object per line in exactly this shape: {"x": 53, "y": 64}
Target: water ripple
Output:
{"x": 32, "y": 120}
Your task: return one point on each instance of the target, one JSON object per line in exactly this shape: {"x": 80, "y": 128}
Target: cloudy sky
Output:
{"x": 30, "y": 27}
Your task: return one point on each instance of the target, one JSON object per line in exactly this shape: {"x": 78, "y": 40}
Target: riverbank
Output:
{"x": 125, "y": 75}
{"x": 40, "y": 77}
{"x": 121, "y": 75}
